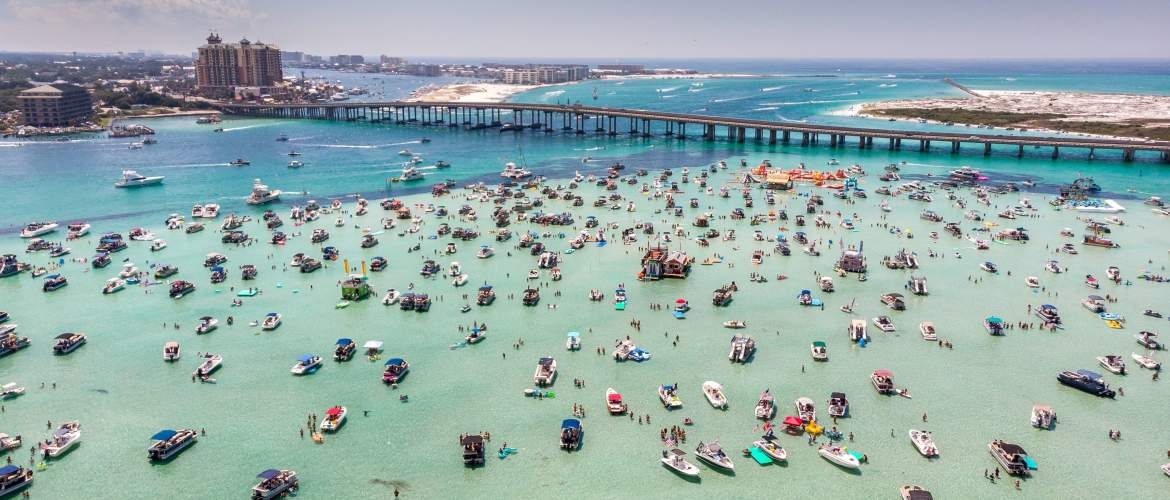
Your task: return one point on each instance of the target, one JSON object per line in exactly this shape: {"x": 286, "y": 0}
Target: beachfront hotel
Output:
{"x": 222, "y": 67}
{"x": 56, "y": 105}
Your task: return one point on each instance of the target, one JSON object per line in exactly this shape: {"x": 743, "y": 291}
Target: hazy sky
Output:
{"x": 606, "y": 29}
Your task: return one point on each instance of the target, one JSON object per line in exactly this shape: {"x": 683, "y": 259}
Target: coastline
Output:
{"x": 471, "y": 92}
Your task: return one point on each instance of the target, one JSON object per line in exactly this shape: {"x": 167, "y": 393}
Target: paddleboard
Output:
{"x": 679, "y": 315}
{"x": 759, "y": 456}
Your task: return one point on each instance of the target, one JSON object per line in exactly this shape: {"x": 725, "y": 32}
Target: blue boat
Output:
{"x": 169, "y": 442}
{"x": 638, "y": 354}
{"x": 396, "y": 370}
{"x": 571, "y": 434}
{"x": 345, "y": 349}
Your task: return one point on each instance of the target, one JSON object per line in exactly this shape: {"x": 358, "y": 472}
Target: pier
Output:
{"x": 581, "y": 120}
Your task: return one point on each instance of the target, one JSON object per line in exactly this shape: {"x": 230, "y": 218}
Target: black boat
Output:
{"x": 1087, "y": 381}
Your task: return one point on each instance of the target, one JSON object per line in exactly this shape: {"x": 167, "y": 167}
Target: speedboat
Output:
{"x": 68, "y": 342}
{"x": 14, "y": 478}
{"x": 1146, "y": 361}
{"x": 1032, "y": 282}
{"x": 669, "y": 396}
{"x": 884, "y": 323}
{"x": 572, "y": 434}
{"x": 924, "y": 442}
{"x": 171, "y": 351}
{"x": 34, "y": 229}
{"x": 477, "y": 333}
{"x": 210, "y": 363}
{"x": 206, "y": 325}
{"x": 169, "y": 442}
{"x": 839, "y": 456}
{"x": 714, "y": 392}
{"x": 819, "y": 351}
{"x": 735, "y": 324}
{"x": 271, "y": 321}
{"x": 766, "y": 405}
{"x": 11, "y": 390}
{"x": 261, "y": 194}
{"x": 77, "y": 230}
{"x": 614, "y": 402}
{"x": 113, "y": 285}
{"x": 306, "y": 364}
{"x": 8, "y": 443}
{"x": 157, "y": 244}
{"x": 395, "y": 370}
{"x": 64, "y": 439}
{"x": 131, "y": 178}
{"x": 274, "y": 483}
{"x": 989, "y": 267}
{"x": 546, "y": 371}
{"x": 771, "y": 447}
{"x": 806, "y": 410}
{"x": 334, "y": 418}
{"x": 713, "y": 454}
{"x": 1086, "y": 381}
{"x": 1148, "y": 340}
{"x": 1042, "y": 417}
{"x": 179, "y": 288}
{"x": 915, "y": 492}
{"x": 239, "y": 162}
{"x": 1113, "y": 363}
{"x": 1011, "y": 457}
{"x": 838, "y": 405}
{"x": 391, "y": 297}
{"x": 485, "y": 252}
{"x": 674, "y": 459}
{"x": 573, "y": 341}
{"x": 928, "y": 331}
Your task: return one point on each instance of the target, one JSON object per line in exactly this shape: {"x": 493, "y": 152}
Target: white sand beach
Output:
{"x": 470, "y": 92}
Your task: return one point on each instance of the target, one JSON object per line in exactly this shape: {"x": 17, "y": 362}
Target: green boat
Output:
{"x": 355, "y": 288}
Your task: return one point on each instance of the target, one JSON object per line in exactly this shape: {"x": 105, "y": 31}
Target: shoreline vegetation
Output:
{"x": 1121, "y": 116}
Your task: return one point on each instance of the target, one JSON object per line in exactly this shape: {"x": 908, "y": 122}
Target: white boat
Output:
{"x": 11, "y": 390}
{"x": 806, "y": 410}
{"x": 546, "y": 371}
{"x": 858, "y": 330}
{"x": 766, "y": 405}
{"x": 1032, "y": 282}
{"x": 573, "y": 341}
{"x": 171, "y": 351}
{"x": 113, "y": 285}
{"x": 307, "y": 363}
{"x": 614, "y": 402}
{"x": 771, "y": 448}
{"x": 391, "y": 297}
{"x": 169, "y": 442}
{"x": 210, "y": 363}
{"x": 334, "y": 418}
{"x": 1113, "y": 363}
{"x": 512, "y": 172}
{"x": 928, "y": 331}
{"x": 157, "y": 244}
{"x": 77, "y": 230}
{"x": 64, "y": 439}
{"x": 131, "y": 178}
{"x": 485, "y": 252}
{"x": 275, "y": 483}
{"x": 820, "y": 351}
{"x": 210, "y": 211}
{"x": 295, "y": 164}
{"x": 1042, "y": 417}
{"x": 884, "y": 323}
{"x": 712, "y": 453}
{"x": 1146, "y": 361}
{"x": 924, "y": 442}
{"x": 735, "y": 324}
{"x": 460, "y": 280}
{"x": 839, "y": 456}
{"x": 261, "y": 194}
{"x": 674, "y": 459}
{"x": 9, "y": 443}
{"x": 409, "y": 174}
{"x": 206, "y": 324}
{"x": 271, "y": 321}
{"x": 838, "y": 405}
{"x": 35, "y": 229}
{"x": 669, "y": 396}
{"x": 1166, "y": 466}
{"x": 714, "y": 392}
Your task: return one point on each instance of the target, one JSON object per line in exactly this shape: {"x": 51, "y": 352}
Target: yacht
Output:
{"x": 32, "y": 230}
{"x": 766, "y": 405}
{"x": 334, "y": 418}
{"x": 409, "y": 174}
{"x": 261, "y": 194}
{"x": 546, "y": 372}
{"x": 306, "y": 364}
{"x": 1011, "y": 457}
{"x": 924, "y": 442}
{"x": 169, "y": 442}
{"x": 14, "y": 478}
{"x": 713, "y": 454}
{"x": 68, "y": 342}
{"x": 210, "y": 211}
{"x": 838, "y": 405}
{"x": 714, "y": 393}
{"x": 131, "y": 178}
{"x": 64, "y": 439}
{"x": 77, "y": 230}
{"x": 171, "y": 351}
{"x": 674, "y": 459}
{"x": 614, "y": 402}
{"x": 1087, "y": 381}
{"x": 274, "y": 484}
{"x": 396, "y": 369}
{"x": 512, "y": 172}
{"x": 1042, "y": 417}
{"x": 839, "y": 456}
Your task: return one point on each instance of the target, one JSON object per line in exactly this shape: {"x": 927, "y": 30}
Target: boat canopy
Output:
{"x": 306, "y": 358}
{"x": 573, "y": 334}
{"x": 883, "y": 373}
{"x": 995, "y": 320}
{"x": 206, "y": 318}
{"x": 65, "y": 336}
{"x": 793, "y": 421}
{"x": 485, "y": 288}
{"x": 570, "y": 423}
{"x": 806, "y": 292}
{"x": 545, "y": 361}
{"x": 837, "y": 395}
{"x": 819, "y": 344}
{"x": 395, "y": 362}
{"x": 217, "y": 269}
{"x": 894, "y": 295}
{"x": 344, "y": 341}
{"x": 271, "y": 314}
{"x": 677, "y": 452}
{"x": 614, "y": 398}
{"x": 8, "y": 469}
{"x": 471, "y": 439}
{"x": 373, "y": 344}
{"x": 334, "y": 411}
{"x": 1096, "y": 298}
{"x": 164, "y": 435}
{"x": 1047, "y": 306}
{"x": 714, "y": 447}
{"x": 268, "y": 474}
{"x": 52, "y": 277}
{"x": 1089, "y": 374}
{"x": 680, "y": 301}
{"x": 171, "y": 343}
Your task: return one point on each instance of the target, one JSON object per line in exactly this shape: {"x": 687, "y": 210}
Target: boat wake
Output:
{"x": 553, "y": 93}
{"x": 770, "y": 89}
{"x": 191, "y": 165}
{"x": 667, "y": 89}
{"x": 767, "y": 108}
{"x": 729, "y": 99}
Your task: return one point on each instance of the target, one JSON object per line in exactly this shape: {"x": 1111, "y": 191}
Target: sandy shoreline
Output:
{"x": 471, "y": 92}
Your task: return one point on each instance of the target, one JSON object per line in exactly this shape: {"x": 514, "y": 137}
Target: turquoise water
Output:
{"x": 983, "y": 389}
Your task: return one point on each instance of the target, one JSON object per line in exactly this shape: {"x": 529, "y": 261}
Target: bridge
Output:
{"x": 582, "y": 120}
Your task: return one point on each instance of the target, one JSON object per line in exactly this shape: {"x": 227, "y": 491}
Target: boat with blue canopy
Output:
{"x": 169, "y": 442}
{"x": 571, "y": 434}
